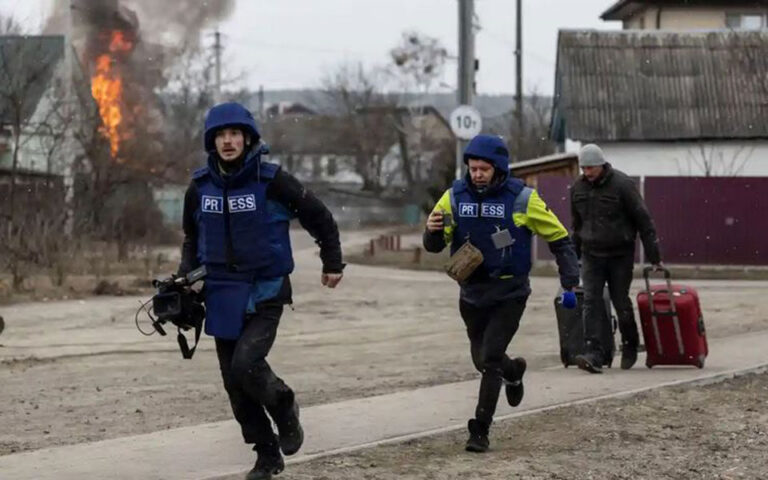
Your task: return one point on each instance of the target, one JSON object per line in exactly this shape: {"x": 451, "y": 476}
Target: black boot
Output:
{"x": 590, "y": 361}
{"x": 268, "y": 463}
{"x": 478, "y": 436}
{"x": 513, "y": 381}
{"x": 628, "y": 355}
{"x": 286, "y": 417}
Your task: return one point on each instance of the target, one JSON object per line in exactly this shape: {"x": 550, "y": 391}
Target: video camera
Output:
{"x": 176, "y": 302}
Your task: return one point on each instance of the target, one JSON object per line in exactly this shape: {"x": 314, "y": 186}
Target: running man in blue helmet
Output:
{"x": 498, "y": 215}
{"x": 236, "y": 217}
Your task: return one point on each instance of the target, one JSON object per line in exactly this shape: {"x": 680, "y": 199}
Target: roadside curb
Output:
{"x": 699, "y": 381}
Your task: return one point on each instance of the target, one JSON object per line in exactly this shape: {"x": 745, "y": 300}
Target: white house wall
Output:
{"x": 35, "y": 146}
{"x": 744, "y": 158}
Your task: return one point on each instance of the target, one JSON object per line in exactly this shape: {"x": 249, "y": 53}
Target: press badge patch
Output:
{"x": 468, "y": 210}
{"x": 492, "y": 210}
{"x": 238, "y": 203}
{"x": 242, "y": 203}
{"x": 213, "y": 204}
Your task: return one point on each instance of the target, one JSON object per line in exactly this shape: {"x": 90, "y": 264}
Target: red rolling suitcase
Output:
{"x": 673, "y": 330}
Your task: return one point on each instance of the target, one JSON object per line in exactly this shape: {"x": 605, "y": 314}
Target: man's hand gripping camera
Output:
{"x": 176, "y": 302}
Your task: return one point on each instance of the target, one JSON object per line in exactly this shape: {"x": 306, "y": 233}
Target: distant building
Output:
{"x": 32, "y": 96}
{"x": 689, "y": 14}
{"x": 666, "y": 103}
{"x": 287, "y": 108}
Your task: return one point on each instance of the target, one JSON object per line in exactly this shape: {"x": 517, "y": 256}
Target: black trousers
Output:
{"x": 253, "y": 388}
{"x": 617, "y": 271}
{"x": 490, "y": 329}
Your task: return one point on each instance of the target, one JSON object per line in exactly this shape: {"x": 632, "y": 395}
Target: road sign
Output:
{"x": 466, "y": 122}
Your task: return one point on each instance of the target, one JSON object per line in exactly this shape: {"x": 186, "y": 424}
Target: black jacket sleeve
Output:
{"x": 313, "y": 215}
{"x": 189, "y": 246}
{"x": 576, "y": 225}
{"x": 567, "y": 263}
{"x": 642, "y": 220}
{"x": 434, "y": 242}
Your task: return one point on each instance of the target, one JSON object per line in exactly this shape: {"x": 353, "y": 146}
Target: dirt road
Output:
{"x": 78, "y": 371}
{"x": 714, "y": 432}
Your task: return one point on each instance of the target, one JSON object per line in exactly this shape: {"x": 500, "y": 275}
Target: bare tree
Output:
{"x": 535, "y": 141}
{"x": 713, "y": 161}
{"x": 31, "y": 110}
{"x": 187, "y": 96}
{"x": 357, "y": 97}
{"x": 418, "y": 63}
{"x": 27, "y": 67}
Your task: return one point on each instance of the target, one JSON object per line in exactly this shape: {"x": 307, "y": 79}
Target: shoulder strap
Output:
{"x": 520, "y": 204}
{"x": 515, "y": 185}
{"x": 452, "y": 197}
{"x": 201, "y": 172}
{"x": 267, "y": 170}
{"x": 459, "y": 186}
{"x": 187, "y": 352}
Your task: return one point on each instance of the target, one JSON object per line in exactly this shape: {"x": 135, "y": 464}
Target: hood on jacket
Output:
{"x": 492, "y": 149}
{"x": 224, "y": 115}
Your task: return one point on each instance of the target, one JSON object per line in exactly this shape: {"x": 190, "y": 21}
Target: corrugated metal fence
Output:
{"x": 702, "y": 221}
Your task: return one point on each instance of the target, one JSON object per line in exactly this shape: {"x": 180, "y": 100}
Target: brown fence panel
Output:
{"x": 556, "y": 192}
{"x": 710, "y": 221}
{"x": 700, "y": 221}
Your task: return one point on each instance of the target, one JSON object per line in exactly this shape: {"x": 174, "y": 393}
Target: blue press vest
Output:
{"x": 242, "y": 239}
{"x": 241, "y": 234}
{"x": 477, "y": 219}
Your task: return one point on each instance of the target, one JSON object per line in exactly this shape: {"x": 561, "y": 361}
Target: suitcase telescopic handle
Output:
{"x": 654, "y": 313}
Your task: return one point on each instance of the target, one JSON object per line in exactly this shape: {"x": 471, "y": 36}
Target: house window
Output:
{"x": 317, "y": 168}
{"x": 331, "y": 167}
{"x": 746, "y": 21}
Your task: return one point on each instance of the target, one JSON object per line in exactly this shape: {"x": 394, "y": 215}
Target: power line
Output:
{"x": 543, "y": 59}
{"x": 300, "y": 48}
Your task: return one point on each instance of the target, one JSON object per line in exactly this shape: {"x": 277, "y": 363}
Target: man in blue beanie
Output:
{"x": 236, "y": 220}
{"x": 498, "y": 215}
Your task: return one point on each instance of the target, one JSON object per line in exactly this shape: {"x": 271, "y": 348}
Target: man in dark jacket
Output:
{"x": 236, "y": 220}
{"x": 608, "y": 213}
{"x": 498, "y": 215}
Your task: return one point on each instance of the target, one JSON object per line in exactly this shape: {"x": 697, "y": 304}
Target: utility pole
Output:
{"x": 519, "y": 81}
{"x": 217, "y": 52}
{"x": 466, "y": 80}
{"x": 261, "y": 103}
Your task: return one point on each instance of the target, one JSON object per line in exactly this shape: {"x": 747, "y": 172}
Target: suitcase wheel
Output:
{"x": 649, "y": 365}
{"x": 700, "y": 362}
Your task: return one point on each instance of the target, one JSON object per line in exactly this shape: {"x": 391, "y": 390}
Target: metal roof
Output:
{"x": 622, "y": 9}
{"x": 27, "y": 64}
{"x": 651, "y": 85}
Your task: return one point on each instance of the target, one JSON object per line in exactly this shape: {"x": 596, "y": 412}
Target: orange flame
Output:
{"x": 119, "y": 43}
{"x": 107, "y": 90}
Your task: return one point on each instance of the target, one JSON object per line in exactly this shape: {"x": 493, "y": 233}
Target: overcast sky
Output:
{"x": 294, "y": 43}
